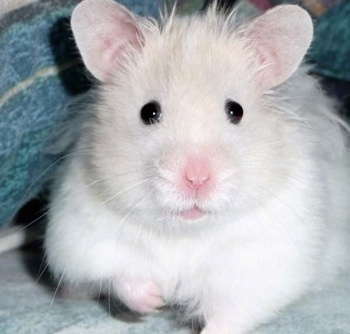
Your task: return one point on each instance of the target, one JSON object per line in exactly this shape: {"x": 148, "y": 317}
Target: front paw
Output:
{"x": 140, "y": 296}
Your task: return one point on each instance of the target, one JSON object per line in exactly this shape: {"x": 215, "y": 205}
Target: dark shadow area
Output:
{"x": 32, "y": 219}
{"x": 340, "y": 90}
{"x": 72, "y": 74}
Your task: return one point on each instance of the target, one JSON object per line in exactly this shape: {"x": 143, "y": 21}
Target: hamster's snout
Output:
{"x": 196, "y": 182}
{"x": 197, "y": 174}
{"x": 197, "y": 177}
{"x": 190, "y": 183}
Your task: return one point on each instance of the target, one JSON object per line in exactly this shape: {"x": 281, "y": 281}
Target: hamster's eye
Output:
{"x": 234, "y": 111}
{"x": 151, "y": 113}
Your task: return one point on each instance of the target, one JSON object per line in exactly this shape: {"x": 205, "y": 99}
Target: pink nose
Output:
{"x": 197, "y": 174}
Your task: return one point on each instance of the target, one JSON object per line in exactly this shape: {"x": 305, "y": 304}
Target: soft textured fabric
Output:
{"x": 27, "y": 306}
{"x": 330, "y": 52}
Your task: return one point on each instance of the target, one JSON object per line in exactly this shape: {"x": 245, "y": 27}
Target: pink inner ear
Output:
{"x": 114, "y": 57}
{"x": 114, "y": 54}
{"x": 114, "y": 47}
{"x": 268, "y": 63}
{"x": 279, "y": 39}
{"x": 267, "y": 57}
{"x": 103, "y": 30}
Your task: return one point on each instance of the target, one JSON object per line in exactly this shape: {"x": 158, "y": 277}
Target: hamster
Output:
{"x": 212, "y": 173}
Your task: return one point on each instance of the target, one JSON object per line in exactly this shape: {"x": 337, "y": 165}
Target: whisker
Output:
{"x": 109, "y": 298}
{"x": 42, "y": 270}
{"x": 22, "y": 228}
{"x": 56, "y": 290}
{"x": 100, "y": 291}
{"x": 21, "y": 201}
{"x": 119, "y": 232}
{"x": 126, "y": 189}
{"x": 74, "y": 193}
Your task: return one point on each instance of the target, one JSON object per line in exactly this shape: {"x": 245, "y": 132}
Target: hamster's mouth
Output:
{"x": 193, "y": 213}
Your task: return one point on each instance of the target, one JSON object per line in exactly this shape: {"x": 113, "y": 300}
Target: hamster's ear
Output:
{"x": 102, "y": 29}
{"x": 280, "y": 37}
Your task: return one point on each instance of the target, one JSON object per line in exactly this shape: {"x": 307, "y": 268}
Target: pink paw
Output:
{"x": 140, "y": 296}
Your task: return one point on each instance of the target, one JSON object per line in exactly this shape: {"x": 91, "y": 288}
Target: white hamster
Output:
{"x": 212, "y": 173}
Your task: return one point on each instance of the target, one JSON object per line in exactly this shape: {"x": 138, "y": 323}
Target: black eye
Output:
{"x": 151, "y": 113}
{"x": 234, "y": 111}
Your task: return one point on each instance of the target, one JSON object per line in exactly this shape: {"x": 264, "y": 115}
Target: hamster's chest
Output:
{"x": 177, "y": 265}
{"x": 174, "y": 256}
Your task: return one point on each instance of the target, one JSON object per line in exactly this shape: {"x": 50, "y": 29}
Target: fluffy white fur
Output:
{"x": 276, "y": 220}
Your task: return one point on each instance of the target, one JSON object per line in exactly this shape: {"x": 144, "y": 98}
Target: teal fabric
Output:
{"x": 40, "y": 73}
{"x": 330, "y": 52}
